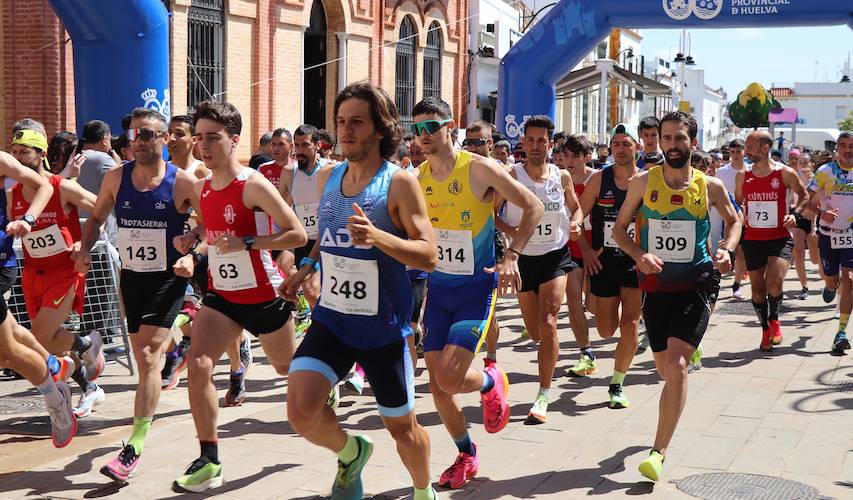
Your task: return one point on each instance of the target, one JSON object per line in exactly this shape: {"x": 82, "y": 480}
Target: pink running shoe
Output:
{"x": 463, "y": 470}
{"x": 123, "y": 466}
{"x": 495, "y": 406}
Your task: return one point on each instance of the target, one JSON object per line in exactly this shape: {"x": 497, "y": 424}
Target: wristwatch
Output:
{"x": 308, "y": 261}
{"x": 29, "y": 219}
{"x": 249, "y": 241}
{"x": 196, "y": 257}
{"x": 731, "y": 256}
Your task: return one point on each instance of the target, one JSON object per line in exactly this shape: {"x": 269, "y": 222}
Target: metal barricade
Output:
{"x": 102, "y": 309}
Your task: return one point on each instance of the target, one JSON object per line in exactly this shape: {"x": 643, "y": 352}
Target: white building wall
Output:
{"x": 820, "y": 105}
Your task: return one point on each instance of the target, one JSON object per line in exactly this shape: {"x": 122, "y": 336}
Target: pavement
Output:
{"x": 781, "y": 415}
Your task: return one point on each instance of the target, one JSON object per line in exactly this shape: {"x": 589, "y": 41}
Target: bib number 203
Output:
{"x": 670, "y": 243}
{"x": 346, "y": 288}
{"x": 42, "y": 241}
{"x": 142, "y": 253}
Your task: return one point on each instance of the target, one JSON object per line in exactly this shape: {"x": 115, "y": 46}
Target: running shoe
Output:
{"x": 93, "y": 359}
{"x": 803, "y": 295}
{"x": 652, "y": 466}
{"x": 356, "y": 379}
{"x": 766, "y": 343}
{"x": 246, "y": 351}
{"x": 334, "y": 397}
{"x": 775, "y": 332}
{"x": 643, "y": 344}
{"x": 90, "y": 399}
{"x": 828, "y": 295}
{"x": 66, "y": 368}
{"x": 302, "y": 327}
{"x": 463, "y": 470}
{"x": 172, "y": 368}
{"x": 525, "y": 335}
{"x": 303, "y": 309}
{"x": 584, "y": 367}
{"x": 495, "y": 405}
{"x": 617, "y": 397}
{"x": 63, "y": 423}
{"x": 347, "y": 485}
{"x": 237, "y": 389}
{"x": 538, "y": 413}
{"x": 122, "y": 467}
{"x": 201, "y": 475}
{"x": 840, "y": 343}
{"x": 695, "y": 363}
{"x": 737, "y": 294}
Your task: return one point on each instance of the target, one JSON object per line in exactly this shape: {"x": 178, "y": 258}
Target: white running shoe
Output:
{"x": 62, "y": 420}
{"x": 246, "y": 351}
{"x": 89, "y": 400}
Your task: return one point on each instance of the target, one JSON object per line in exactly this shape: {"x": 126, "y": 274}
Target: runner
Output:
{"x": 805, "y": 230}
{"x": 612, "y": 273}
{"x": 545, "y": 259}
{"x": 650, "y": 155}
{"x": 673, "y": 202}
{"x": 281, "y": 148}
{"x": 182, "y": 143}
{"x": 51, "y": 285}
{"x": 830, "y": 189}
{"x": 151, "y": 198}
{"x": 728, "y": 173}
{"x": 767, "y": 243}
{"x": 373, "y": 222}
{"x": 577, "y": 154}
{"x": 460, "y": 191}
{"x": 237, "y": 204}
{"x": 19, "y": 350}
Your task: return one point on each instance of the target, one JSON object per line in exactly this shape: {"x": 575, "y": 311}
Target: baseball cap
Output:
{"x": 32, "y": 139}
{"x": 624, "y": 128}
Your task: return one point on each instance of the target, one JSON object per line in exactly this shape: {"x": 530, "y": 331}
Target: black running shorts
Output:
{"x": 614, "y": 275}
{"x": 257, "y": 319}
{"x": 151, "y": 298}
{"x": 681, "y": 315}
{"x": 539, "y": 269}
{"x": 756, "y": 252}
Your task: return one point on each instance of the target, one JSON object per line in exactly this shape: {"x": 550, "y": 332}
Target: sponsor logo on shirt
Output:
{"x": 654, "y": 196}
{"x": 160, "y": 205}
{"x": 229, "y": 214}
{"x": 676, "y": 199}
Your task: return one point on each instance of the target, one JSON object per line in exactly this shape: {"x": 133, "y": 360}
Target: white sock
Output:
{"x": 50, "y": 392}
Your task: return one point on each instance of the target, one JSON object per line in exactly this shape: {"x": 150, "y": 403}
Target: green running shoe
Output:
{"x": 695, "y": 362}
{"x": 652, "y": 466}
{"x": 334, "y": 398}
{"x": 524, "y": 334}
{"x": 302, "y": 327}
{"x": 348, "y": 479}
{"x": 617, "y": 397}
{"x": 584, "y": 367}
{"x": 201, "y": 475}
{"x": 538, "y": 413}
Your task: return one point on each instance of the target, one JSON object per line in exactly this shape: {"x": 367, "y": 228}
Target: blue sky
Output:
{"x": 733, "y": 58}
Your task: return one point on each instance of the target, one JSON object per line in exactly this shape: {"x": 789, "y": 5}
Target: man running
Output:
{"x": 237, "y": 206}
{"x": 613, "y": 273}
{"x": 831, "y": 190}
{"x": 545, "y": 259}
{"x": 151, "y": 198}
{"x": 281, "y": 147}
{"x": 675, "y": 267}
{"x": 461, "y": 193}
{"x": 728, "y": 174}
{"x": 767, "y": 243}
{"x": 648, "y": 130}
{"x": 19, "y": 350}
{"x": 51, "y": 285}
{"x": 182, "y": 143}
{"x": 373, "y": 223}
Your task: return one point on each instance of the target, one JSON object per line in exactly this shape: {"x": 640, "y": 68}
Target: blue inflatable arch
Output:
{"x": 121, "y": 56}
{"x": 534, "y": 65}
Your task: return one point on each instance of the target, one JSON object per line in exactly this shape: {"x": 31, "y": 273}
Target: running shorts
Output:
{"x": 303, "y": 251}
{"x": 614, "y": 275}
{"x": 458, "y": 315}
{"x": 8, "y": 275}
{"x": 802, "y": 222}
{"x": 257, "y": 319}
{"x": 418, "y": 294}
{"x": 48, "y": 288}
{"x": 714, "y": 293}
{"x": 388, "y": 368}
{"x": 538, "y": 269}
{"x": 681, "y": 315}
{"x": 756, "y": 252}
{"x": 151, "y": 298}
{"x": 833, "y": 259}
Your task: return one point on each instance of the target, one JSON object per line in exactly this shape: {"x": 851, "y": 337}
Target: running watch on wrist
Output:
{"x": 308, "y": 261}
{"x": 731, "y": 256}
{"x": 249, "y": 241}
{"x": 29, "y": 219}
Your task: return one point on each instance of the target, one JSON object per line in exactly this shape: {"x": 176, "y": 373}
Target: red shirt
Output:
{"x": 272, "y": 171}
{"x": 48, "y": 246}
{"x": 766, "y": 206}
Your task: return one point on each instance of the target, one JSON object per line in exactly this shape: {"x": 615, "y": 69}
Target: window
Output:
{"x": 432, "y": 61}
{"x": 405, "y": 80}
{"x": 601, "y": 51}
{"x": 206, "y": 51}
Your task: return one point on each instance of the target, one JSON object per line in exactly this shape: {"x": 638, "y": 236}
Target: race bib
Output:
{"x": 142, "y": 250}
{"x": 231, "y": 271}
{"x": 455, "y": 252}
{"x": 763, "y": 214}
{"x": 841, "y": 239}
{"x": 546, "y": 232}
{"x": 190, "y": 224}
{"x": 608, "y": 234}
{"x": 350, "y": 286}
{"x": 45, "y": 242}
{"x": 308, "y": 217}
{"x": 672, "y": 240}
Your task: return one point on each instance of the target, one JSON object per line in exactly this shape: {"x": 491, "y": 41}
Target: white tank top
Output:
{"x": 191, "y": 168}
{"x": 306, "y": 198}
{"x": 552, "y": 233}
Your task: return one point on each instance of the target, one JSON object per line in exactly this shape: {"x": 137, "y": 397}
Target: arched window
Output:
{"x": 205, "y": 51}
{"x": 432, "y": 61}
{"x": 405, "y": 80}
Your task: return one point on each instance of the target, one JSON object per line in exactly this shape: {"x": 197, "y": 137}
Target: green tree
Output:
{"x": 847, "y": 123}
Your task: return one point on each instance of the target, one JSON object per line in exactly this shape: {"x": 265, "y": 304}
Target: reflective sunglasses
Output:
{"x": 475, "y": 142}
{"x": 430, "y": 126}
{"x": 142, "y": 133}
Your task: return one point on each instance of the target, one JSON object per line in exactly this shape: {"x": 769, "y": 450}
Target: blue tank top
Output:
{"x": 7, "y": 253}
{"x": 366, "y": 296}
{"x": 149, "y": 212}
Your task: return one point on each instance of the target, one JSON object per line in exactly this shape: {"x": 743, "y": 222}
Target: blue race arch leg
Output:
{"x": 534, "y": 65}
{"x": 121, "y": 56}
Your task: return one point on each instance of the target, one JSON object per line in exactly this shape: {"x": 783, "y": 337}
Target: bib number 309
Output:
{"x": 672, "y": 240}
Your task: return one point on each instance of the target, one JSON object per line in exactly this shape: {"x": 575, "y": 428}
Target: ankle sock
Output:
{"x": 140, "y": 430}
{"x": 350, "y": 450}
{"x": 427, "y": 493}
{"x": 53, "y": 364}
{"x": 464, "y": 444}
{"x": 52, "y": 397}
{"x": 842, "y": 322}
{"x": 774, "y": 303}
{"x": 762, "y": 310}
{"x": 210, "y": 450}
{"x": 588, "y": 352}
{"x": 617, "y": 378}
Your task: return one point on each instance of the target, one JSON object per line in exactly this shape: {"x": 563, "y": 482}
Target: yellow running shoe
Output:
{"x": 652, "y": 466}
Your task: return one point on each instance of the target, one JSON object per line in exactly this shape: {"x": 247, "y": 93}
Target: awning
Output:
{"x": 783, "y": 115}
{"x": 590, "y": 76}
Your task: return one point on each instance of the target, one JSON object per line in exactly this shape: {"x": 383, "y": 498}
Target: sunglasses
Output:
{"x": 475, "y": 142}
{"x": 142, "y": 133}
{"x": 430, "y": 126}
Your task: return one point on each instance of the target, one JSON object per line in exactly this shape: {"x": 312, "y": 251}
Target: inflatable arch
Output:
{"x": 121, "y": 56}
{"x": 546, "y": 53}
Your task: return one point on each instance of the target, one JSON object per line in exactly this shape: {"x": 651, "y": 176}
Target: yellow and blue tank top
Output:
{"x": 674, "y": 225}
{"x": 464, "y": 225}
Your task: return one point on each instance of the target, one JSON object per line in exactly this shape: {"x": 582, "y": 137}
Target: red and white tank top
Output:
{"x": 48, "y": 246}
{"x": 766, "y": 206}
{"x": 574, "y": 246}
{"x": 246, "y": 276}
{"x": 272, "y": 171}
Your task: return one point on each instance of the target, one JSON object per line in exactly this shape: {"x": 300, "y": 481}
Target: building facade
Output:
{"x": 281, "y": 62}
